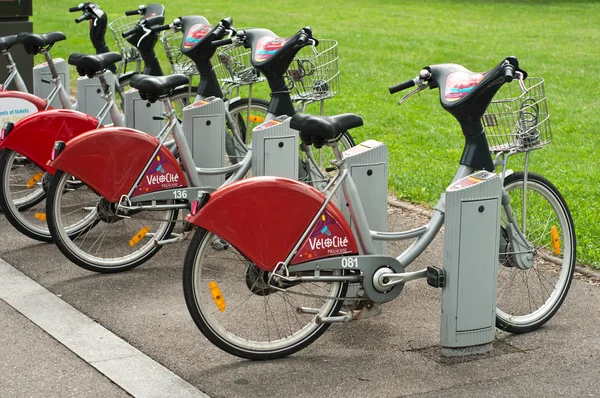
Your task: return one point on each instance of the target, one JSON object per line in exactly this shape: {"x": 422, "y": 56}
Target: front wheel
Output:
{"x": 232, "y": 304}
{"x": 110, "y": 238}
{"x": 528, "y": 298}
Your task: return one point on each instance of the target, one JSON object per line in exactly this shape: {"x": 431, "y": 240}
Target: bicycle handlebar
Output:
{"x": 131, "y": 31}
{"x": 132, "y": 12}
{"x": 82, "y": 18}
{"x": 402, "y": 86}
{"x": 160, "y": 28}
{"x": 75, "y": 9}
{"x": 220, "y": 43}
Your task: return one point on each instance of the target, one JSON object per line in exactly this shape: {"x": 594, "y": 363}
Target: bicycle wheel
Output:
{"x": 22, "y": 195}
{"x": 109, "y": 239}
{"x": 233, "y": 306}
{"x": 528, "y": 298}
{"x": 242, "y": 119}
{"x": 314, "y": 171}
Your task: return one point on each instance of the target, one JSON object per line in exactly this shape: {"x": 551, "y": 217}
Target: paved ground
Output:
{"x": 395, "y": 354}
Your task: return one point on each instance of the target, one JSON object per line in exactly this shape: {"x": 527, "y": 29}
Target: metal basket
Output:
{"x": 117, "y": 27}
{"x": 233, "y": 67}
{"x": 517, "y": 118}
{"x": 314, "y": 73}
{"x": 171, "y": 40}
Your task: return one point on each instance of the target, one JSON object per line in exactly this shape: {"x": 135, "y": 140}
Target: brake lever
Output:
{"x": 421, "y": 85}
{"x": 147, "y": 30}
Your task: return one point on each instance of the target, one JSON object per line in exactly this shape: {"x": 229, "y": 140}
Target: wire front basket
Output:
{"x": 120, "y": 25}
{"x": 314, "y": 73}
{"x": 171, "y": 40}
{"x": 233, "y": 67}
{"x": 517, "y": 118}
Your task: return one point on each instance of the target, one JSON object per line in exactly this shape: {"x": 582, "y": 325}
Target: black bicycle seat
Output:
{"x": 316, "y": 130}
{"x": 90, "y": 64}
{"x": 35, "y": 40}
{"x": 156, "y": 86}
{"x": 7, "y": 42}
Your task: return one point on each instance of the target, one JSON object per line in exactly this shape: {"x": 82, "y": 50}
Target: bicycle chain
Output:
{"x": 324, "y": 297}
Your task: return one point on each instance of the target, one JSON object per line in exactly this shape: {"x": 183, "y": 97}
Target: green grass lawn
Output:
{"x": 383, "y": 42}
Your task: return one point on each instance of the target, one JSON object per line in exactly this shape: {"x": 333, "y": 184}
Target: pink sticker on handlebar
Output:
{"x": 195, "y": 34}
{"x": 459, "y": 84}
{"x": 267, "y": 46}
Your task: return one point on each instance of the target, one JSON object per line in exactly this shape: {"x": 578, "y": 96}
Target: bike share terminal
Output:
{"x": 471, "y": 244}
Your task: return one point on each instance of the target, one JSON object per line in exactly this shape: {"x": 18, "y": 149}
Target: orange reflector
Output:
{"x": 555, "y": 239}
{"x": 40, "y": 216}
{"x": 34, "y": 180}
{"x": 139, "y": 236}
{"x": 217, "y": 296}
{"x": 256, "y": 119}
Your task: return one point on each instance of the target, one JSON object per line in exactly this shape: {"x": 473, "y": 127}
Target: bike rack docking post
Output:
{"x": 204, "y": 130}
{"x": 368, "y": 165}
{"x": 89, "y": 93}
{"x": 42, "y": 80}
{"x": 471, "y": 243}
{"x": 143, "y": 115}
{"x": 275, "y": 149}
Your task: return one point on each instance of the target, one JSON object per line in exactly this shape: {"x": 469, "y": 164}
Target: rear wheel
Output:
{"x": 111, "y": 239}
{"x": 528, "y": 298}
{"x": 22, "y": 195}
{"x": 234, "y": 307}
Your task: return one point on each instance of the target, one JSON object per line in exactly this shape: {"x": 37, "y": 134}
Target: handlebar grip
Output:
{"x": 131, "y": 31}
{"x": 402, "y": 86}
{"x": 83, "y": 18}
{"x": 132, "y": 12}
{"x": 74, "y": 9}
{"x": 160, "y": 28}
{"x": 227, "y": 22}
{"x": 219, "y": 43}
{"x": 509, "y": 74}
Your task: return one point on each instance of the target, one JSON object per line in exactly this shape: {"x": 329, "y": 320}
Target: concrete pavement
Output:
{"x": 394, "y": 354}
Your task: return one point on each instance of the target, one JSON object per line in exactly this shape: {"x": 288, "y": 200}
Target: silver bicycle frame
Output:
{"x": 424, "y": 235}
{"x": 59, "y": 88}
{"x": 13, "y": 74}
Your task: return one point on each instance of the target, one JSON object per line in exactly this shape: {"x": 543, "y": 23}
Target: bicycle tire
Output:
{"x": 245, "y": 280}
{"x": 22, "y": 196}
{"x": 99, "y": 222}
{"x": 553, "y": 266}
{"x": 243, "y": 122}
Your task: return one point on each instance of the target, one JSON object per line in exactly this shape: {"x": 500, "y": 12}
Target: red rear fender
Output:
{"x": 35, "y": 135}
{"x": 264, "y": 217}
{"x": 109, "y": 160}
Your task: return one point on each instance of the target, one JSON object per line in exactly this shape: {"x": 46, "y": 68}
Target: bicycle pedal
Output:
{"x": 436, "y": 277}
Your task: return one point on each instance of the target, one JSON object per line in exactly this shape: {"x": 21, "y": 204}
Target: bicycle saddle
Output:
{"x": 152, "y": 87}
{"x": 316, "y": 130}
{"x": 35, "y": 40}
{"x": 7, "y": 42}
{"x": 90, "y": 64}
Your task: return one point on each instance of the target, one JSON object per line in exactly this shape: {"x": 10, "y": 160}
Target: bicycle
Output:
{"x": 277, "y": 287}
{"x": 133, "y": 214}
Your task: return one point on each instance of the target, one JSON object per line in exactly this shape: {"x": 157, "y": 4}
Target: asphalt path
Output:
{"x": 394, "y": 354}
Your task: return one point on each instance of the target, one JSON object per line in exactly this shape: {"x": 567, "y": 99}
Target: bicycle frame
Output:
{"x": 13, "y": 75}
{"x": 287, "y": 260}
{"x": 137, "y": 155}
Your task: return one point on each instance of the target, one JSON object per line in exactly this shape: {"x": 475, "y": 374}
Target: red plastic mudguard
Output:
{"x": 264, "y": 217}
{"x": 34, "y": 136}
{"x": 109, "y": 160}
